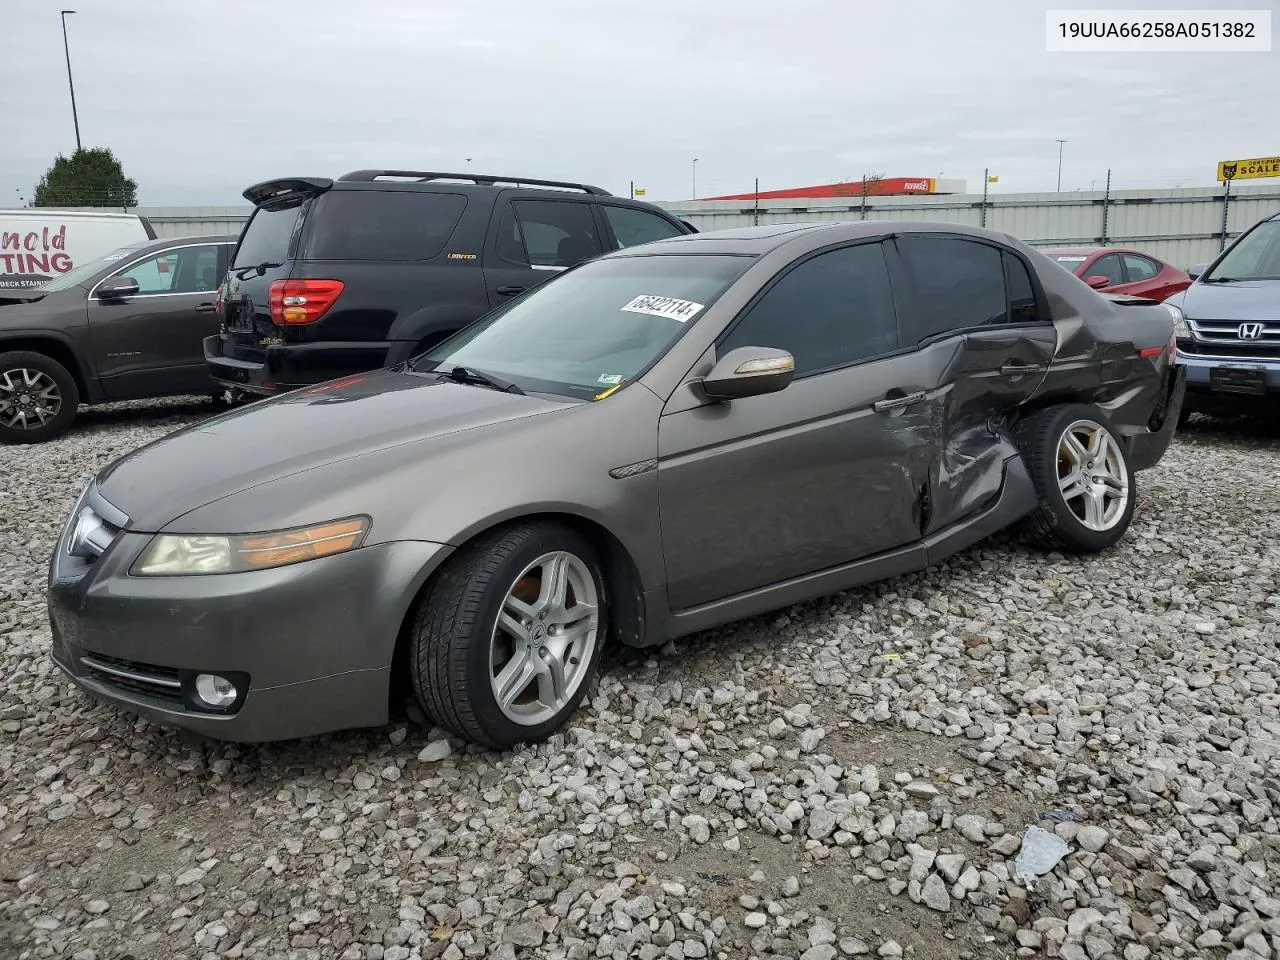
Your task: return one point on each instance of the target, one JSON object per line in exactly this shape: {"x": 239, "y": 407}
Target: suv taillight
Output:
{"x": 302, "y": 301}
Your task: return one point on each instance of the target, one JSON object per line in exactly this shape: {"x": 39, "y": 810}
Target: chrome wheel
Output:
{"x": 545, "y": 638}
{"x": 1093, "y": 475}
{"x": 29, "y": 399}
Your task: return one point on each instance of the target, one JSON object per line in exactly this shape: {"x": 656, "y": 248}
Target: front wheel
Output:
{"x": 38, "y": 397}
{"x": 509, "y": 633}
{"x": 1086, "y": 486}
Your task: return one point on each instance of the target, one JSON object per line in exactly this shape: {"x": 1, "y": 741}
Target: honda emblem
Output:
{"x": 1250, "y": 331}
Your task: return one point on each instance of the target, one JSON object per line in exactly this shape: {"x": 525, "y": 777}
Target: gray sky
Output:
{"x": 200, "y": 98}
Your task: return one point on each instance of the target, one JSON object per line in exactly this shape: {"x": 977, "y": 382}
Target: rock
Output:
{"x": 1204, "y": 858}
{"x": 755, "y": 920}
{"x": 97, "y": 907}
{"x": 823, "y": 951}
{"x": 934, "y": 894}
{"x": 1092, "y": 838}
{"x": 822, "y": 823}
{"x": 853, "y": 947}
{"x": 698, "y": 828}
{"x": 950, "y": 865}
{"x": 522, "y": 934}
{"x": 791, "y": 887}
{"x": 921, "y": 790}
{"x": 889, "y": 948}
{"x": 434, "y": 752}
{"x": 810, "y": 738}
{"x": 971, "y": 827}
{"x": 1081, "y": 920}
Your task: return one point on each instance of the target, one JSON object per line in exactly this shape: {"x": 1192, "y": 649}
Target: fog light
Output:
{"x": 215, "y": 691}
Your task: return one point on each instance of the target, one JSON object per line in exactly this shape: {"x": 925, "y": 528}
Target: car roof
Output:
{"x": 757, "y": 241}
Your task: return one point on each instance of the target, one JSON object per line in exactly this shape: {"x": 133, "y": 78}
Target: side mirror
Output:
{"x": 1197, "y": 271}
{"x": 749, "y": 372}
{"x": 1096, "y": 281}
{"x": 117, "y": 288}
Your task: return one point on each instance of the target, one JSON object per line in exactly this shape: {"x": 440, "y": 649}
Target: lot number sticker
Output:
{"x": 669, "y": 307}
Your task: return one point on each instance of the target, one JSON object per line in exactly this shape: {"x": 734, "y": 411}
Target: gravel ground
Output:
{"x": 849, "y": 777}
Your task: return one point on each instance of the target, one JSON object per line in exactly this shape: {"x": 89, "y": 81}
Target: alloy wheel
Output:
{"x": 1093, "y": 475}
{"x": 544, "y": 639}
{"x": 29, "y": 399}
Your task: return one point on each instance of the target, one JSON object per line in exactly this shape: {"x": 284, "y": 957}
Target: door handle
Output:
{"x": 1019, "y": 369}
{"x": 893, "y": 403}
{"x": 205, "y": 308}
{"x": 509, "y": 291}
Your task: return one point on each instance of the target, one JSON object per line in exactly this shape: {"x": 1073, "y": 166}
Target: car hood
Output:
{"x": 1241, "y": 301}
{"x": 300, "y": 431}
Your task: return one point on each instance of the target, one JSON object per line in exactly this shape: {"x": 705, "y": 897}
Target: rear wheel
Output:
{"x": 1086, "y": 486}
{"x": 38, "y": 397}
{"x": 509, "y": 634}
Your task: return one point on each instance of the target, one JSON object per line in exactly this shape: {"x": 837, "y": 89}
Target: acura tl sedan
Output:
{"x": 663, "y": 439}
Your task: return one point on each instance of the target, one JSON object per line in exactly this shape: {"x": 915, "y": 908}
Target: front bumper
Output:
{"x": 282, "y": 367}
{"x": 1199, "y": 369}
{"x": 311, "y": 644}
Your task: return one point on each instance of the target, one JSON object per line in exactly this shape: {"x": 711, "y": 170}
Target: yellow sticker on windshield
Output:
{"x": 601, "y": 396}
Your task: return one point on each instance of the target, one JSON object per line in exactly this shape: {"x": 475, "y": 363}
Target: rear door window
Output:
{"x": 266, "y": 239}
{"x": 548, "y": 233}
{"x": 381, "y": 225}
{"x": 956, "y": 284}
{"x": 1140, "y": 268}
{"x": 633, "y": 227}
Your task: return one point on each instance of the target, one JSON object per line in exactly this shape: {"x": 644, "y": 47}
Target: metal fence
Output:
{"x": 1184, "y": 226}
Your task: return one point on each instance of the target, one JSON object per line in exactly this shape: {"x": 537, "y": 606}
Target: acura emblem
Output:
{"x": 1250, "y": 331}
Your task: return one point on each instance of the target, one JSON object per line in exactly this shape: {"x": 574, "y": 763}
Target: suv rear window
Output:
{"x": 381, "y": 225}
{"x": 266, "y": 240}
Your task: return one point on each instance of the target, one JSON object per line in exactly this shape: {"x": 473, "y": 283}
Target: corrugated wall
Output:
{"x": 1182, "y": 226}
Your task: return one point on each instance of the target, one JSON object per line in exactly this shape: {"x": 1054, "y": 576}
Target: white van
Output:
{"x": 39, "y": 244}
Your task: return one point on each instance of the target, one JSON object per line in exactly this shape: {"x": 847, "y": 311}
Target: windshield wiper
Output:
{"x": 470, "y": 375}
{"x": 260, "y": 267}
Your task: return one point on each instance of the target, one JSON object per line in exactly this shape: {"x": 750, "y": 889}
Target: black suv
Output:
{"x": 339, "y": 277}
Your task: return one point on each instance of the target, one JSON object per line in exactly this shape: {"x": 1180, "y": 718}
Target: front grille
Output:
{"x": 1236, "y": 337}
{"x": 156, "y": 683}
{"x": 1261, "y": 349}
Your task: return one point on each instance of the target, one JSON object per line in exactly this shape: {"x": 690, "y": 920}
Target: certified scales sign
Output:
{"x": 1254, "y": 169}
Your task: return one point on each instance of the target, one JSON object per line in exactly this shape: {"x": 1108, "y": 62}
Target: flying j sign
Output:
{"x": 1249, "y": 169}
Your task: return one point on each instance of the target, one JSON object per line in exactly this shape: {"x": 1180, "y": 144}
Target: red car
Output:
{"x": 1120, "y": 270}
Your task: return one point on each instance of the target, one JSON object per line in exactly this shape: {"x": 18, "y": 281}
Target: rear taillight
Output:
{"x": 302, "y": 301}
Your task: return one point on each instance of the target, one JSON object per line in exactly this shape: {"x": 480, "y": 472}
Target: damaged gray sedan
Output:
{"x": 661, "y": 440}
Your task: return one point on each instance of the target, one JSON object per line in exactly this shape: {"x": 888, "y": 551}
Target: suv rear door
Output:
{"x": 263, "y": 255}
{"x": 534, "y": 238}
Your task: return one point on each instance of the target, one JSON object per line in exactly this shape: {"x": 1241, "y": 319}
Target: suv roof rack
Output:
{"x": 368, "y": 176}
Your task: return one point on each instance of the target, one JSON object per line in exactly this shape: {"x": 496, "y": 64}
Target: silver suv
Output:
{"x": 1228, "y": 325}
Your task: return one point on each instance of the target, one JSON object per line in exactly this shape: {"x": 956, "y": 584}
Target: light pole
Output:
{"x": 67, "y": 49}
{"x": 1060, "y": 143}
{"x": 695, "y": 178}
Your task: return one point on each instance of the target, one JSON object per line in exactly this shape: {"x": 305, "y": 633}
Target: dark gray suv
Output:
{"x": 125, "y": 326}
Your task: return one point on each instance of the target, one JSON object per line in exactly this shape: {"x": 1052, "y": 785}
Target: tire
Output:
{"x": 1098, "y": 515}
{"x": 35, "y": 389}
{"x": 459, "y": 651}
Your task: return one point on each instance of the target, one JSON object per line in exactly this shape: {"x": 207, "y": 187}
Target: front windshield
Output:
{"x": 594, "y": 328}
{"x": 1256, "y": 256}
{"x": 85, "y": 271}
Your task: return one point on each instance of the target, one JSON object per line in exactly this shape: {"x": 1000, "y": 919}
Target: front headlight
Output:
{"x": 1180, "y": 328}
{"x": 178, "y": 555}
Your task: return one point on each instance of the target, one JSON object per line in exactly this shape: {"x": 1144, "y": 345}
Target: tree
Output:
{"x": 88, "y": 178}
